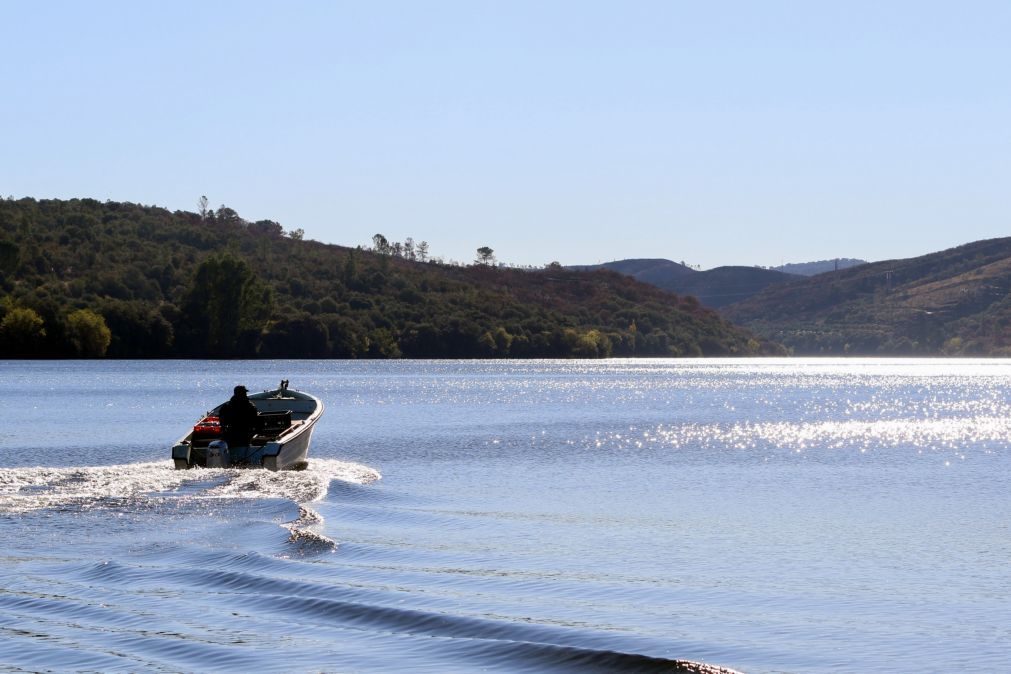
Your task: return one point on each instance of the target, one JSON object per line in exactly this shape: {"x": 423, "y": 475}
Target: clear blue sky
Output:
{"x": 710, "y": 132}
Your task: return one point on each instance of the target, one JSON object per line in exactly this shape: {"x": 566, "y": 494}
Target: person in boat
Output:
{"x": 238, "y": 419}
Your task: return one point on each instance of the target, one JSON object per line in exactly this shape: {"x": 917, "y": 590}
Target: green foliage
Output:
{"x": 9, "y": 253}
{"x": 21, "y": 332}
{"x": 139, "y": 329}
{"x": 381, "y": 245}
{"x": 485, "y": 255}
{"x": 226, "y": 307}
{"x": 210, "y": 284}
{"x": 88, "y": 334}
{"x": 267, "y": 228}
{"x": 302, "y": 337}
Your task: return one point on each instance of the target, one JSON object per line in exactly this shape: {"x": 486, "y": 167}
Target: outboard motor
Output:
{"x": 217, "y": 455}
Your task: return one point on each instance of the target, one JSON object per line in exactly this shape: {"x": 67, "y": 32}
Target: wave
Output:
{"x": 542, "y": 645}
{"x": 307, "y": 541}
{"x": 323, "y": 614}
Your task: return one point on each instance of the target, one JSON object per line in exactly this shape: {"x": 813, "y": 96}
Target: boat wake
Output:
{"x": 302, "y": 533}
{"x": 28, "y": 489}
{"x": 241, "y": 599}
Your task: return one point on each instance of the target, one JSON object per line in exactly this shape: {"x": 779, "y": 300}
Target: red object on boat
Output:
{"x": 208, "y": 427}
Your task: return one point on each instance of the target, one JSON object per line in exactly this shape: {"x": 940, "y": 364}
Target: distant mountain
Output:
{"x": 953, "y": 302}
{"x": 820, "y": 267}
{"x": 648, "y": 270}
{"x": 713, "y": 287}
{"x": 724, "y": 285}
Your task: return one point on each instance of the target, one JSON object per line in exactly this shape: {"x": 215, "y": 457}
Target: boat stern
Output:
{"x": 181, "y": 455}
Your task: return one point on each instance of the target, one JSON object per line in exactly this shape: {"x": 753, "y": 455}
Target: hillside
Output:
{"x": 648, "y": 270}
{"x": 819, "y": 267}
{"x": 85, "y": 278}
{"x": 714, "y": 287}
{"x": 952, "y": 302}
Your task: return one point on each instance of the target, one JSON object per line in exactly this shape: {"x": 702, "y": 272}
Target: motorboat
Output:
{"x": 284, "y": 423}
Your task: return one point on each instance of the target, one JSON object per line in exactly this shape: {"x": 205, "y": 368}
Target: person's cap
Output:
{"x": 240, "y": 389}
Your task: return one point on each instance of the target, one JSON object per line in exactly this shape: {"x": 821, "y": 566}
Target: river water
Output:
{"x": 763, "y": 515}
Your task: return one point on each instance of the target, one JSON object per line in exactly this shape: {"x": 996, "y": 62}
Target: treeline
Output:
{"x": 82, "y": 278}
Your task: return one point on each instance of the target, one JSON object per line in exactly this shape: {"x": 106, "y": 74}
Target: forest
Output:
{"x": 81, "y": 278}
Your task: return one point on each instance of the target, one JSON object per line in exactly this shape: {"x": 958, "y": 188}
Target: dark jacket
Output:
{"x": 238, "y": 420}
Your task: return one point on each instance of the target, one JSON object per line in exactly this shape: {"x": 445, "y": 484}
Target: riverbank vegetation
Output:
{"x": 83, "y": 278}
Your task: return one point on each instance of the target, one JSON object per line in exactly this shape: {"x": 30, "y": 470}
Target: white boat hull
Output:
{"x": 288, "y": 449}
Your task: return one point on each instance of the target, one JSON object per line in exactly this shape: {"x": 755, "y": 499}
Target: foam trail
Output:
{"x": 27, "y": 489}
{"x": 301, "y": 486}
{"x": 307, "y": 540}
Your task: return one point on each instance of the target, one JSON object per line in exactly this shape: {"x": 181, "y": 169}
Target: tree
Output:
{"x": 422, "y": 250}
{"x": 87, "y": 333}
{"x": 202, "y": 207}
{"x": 301, "y": 337}
{"x": 485, "y": 255}
{"x": 349, "y": 273}
{"x": 140, "y": 330}
{"x": 267, "y": 228}
{"x": 380, "y": 244}
{"x": 9, "y": 253}
{"x": 347, "y": 338}
{"x": 227, "y": 306}
{"x": 297, "y": 234}
{"x": 21, "y": 332}
{"x": 409, "y": 249}
{"x": 229, "y": 216}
